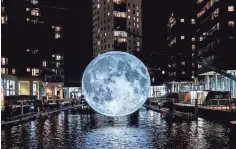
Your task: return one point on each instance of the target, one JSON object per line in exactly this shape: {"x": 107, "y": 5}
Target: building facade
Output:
{"x": 117, "y": 25}
{"x": 29, "y": 42}
{"x": 180, "y": 67}
{"x": 216, "y": 43}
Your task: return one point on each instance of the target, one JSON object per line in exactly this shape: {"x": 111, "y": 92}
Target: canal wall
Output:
{"x": 210, "y": 114}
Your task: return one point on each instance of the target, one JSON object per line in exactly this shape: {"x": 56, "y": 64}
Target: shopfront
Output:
{"x": 9, "y": 84}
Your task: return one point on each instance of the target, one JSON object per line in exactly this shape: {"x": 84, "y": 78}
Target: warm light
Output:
{"x": 230, "y": 8}
{"x": 13, "y": 71}
{"x": 28, "y": 69}
{"x": 182, "y": 20}
{"x": 182, "y": 37}
{"x": 231, "y": 23}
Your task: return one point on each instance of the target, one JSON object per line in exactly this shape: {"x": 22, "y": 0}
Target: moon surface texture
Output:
{"x": 116, "y": 84}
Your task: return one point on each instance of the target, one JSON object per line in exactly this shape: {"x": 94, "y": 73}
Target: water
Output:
{"x": 145, "y": 129}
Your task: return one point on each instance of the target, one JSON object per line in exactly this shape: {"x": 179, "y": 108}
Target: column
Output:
{"x": 31, "y": 88}
{"x": 215, "y": 81}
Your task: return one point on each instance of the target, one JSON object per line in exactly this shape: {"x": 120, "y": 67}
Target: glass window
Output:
{"x": 35, "y": 72}
{"x": 28, "y": 69}
{"x": 231, "y": 23}
{"x": 182, "y": 37}
{"x": 120, "y": 14}
{"x": 230, "y": 8}
{"x": 3, "y": 70}
{"x": 182, "y": 20}
{"x": 193, "y": 21}
{"x": 183, "y": 72}
{"x": 182, "y": 63}
{"x": 13, "y": 71}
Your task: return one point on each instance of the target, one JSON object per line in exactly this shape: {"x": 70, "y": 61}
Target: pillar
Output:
{"x": 215, "y": 81}
{"x": 31, "y": 87}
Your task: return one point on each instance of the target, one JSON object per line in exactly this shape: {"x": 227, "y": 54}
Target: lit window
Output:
{"x": 193, "y": 38}
{"x": 193, "y": 21}
{"x": 53, "y": 55}
{"x": 128, "y": 17}
{"x": 181, "y": 20}
{"x": 3, "y": 10}
{"x": 99, "y": 43}
{"x": 134, "y": 18}
{"x": 27, "y": 9}
{"x": 137, "y": 7}
{"x": 134, "y": 24}
{"x": 57, "y": 28}
{"x": 35, "y": 12}
{"x": 163, "y": 72}
{"x": 182, "y": 63}
{"x": 120, "y": 33}
{"x": 3, "y": 71}
{"x": 183, "y": 72}
{"x": 138, "y": 49}
{"x": 58, "y": 57}
{"x": 4, "y": 19}
{"x": 34, "y": 2}
{"x": 57, "y": 64}
{"x": 3, "y": 61}
{"x": 28, "y": 69}
{"x": 138, "y": 44}
{"x": 27, "y": 19}
{"x": 98, "y": 6}
{"x": 57, "y": 36}
{"x": 35, "y": 72}
{"x": 137, "y": 19}
{"x": 119, "y": 1}
{"x": 182, "y": 37}
{"x": 137, "y": 26}
{"x": 137, "y": 13}
{"x": 193, "y": 47}
{"x": 231, "y": 23}
{"x": 108, "y": 13}
{"x": 13, "y": 71}
{"x": 119, "y": 14}
{"x": 128, "y": 10}
{"x": 230, "y": 8}
{"x": 44, "y": 63}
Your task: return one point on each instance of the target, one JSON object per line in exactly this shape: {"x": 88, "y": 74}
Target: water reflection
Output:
{"x": 143, "y": 129}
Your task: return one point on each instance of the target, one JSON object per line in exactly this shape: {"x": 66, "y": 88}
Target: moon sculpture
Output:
{"x": 116, "y": 84}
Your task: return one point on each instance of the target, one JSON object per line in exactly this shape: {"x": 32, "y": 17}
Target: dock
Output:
{"x": 174, "y": 114}
{"x": 30, "y": 116}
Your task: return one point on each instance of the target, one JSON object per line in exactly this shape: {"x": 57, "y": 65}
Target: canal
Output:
{"x": 145, "y": 129}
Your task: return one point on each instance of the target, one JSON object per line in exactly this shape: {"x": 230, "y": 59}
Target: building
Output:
{"x": 117, "y": 25}
{"x": 216, "y": 43}
{"x": 29, "y": 42}
{"x": 180, "y": 53}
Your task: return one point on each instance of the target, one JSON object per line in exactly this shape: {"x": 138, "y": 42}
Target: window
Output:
{"x": 119, "y": 1}
{"x": 35, "y": 72}
{"x": 57, "y": 28}
{"x": 137, "y": 13}
{"x": 99, "y": 43}
{"x": 108, "y": 13}
{"x": 44, "y": 63}
{"x": 137, "y": 26}
{"x": 4, "y": 19}
{"x": 13, "y": 71}
{"x": 231, "y": 23}
{"x": 3, "y": 70}
{"x": 182, "y": 63}
{"x": 230, "y": 8}
{"x": 120, "y": 33}
{"x": 182, "y": 37}
{"x": 28, "y": 69}
{"x": 138, "y": 44}
{"x": 4, "y": 61}
{"x": 27, "y": 19}
{"x": 193, "y": 21}
{"x": 183, "y": 72}
{"x": 35, "y": 12}
{"x": 98, "y": 6}
{"x": 120, "y": 14}
{"x": 193, "y": 38}
{"x": 137, "y": 19}
{"x": 193, "y": 47}
{"x": 128, "y": 10}
{"x": 137, "y": 7}
{"x": 128, "y": 17}
{"x": 27, "y": 9}
{"x": 163, "y": 72}
{"x": 58, "y": 57}
{"x": 182, "y": 20}
{"x": 57, "y": 35}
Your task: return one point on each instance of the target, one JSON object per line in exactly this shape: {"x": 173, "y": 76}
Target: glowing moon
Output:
{"x": 116, "y": 84}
